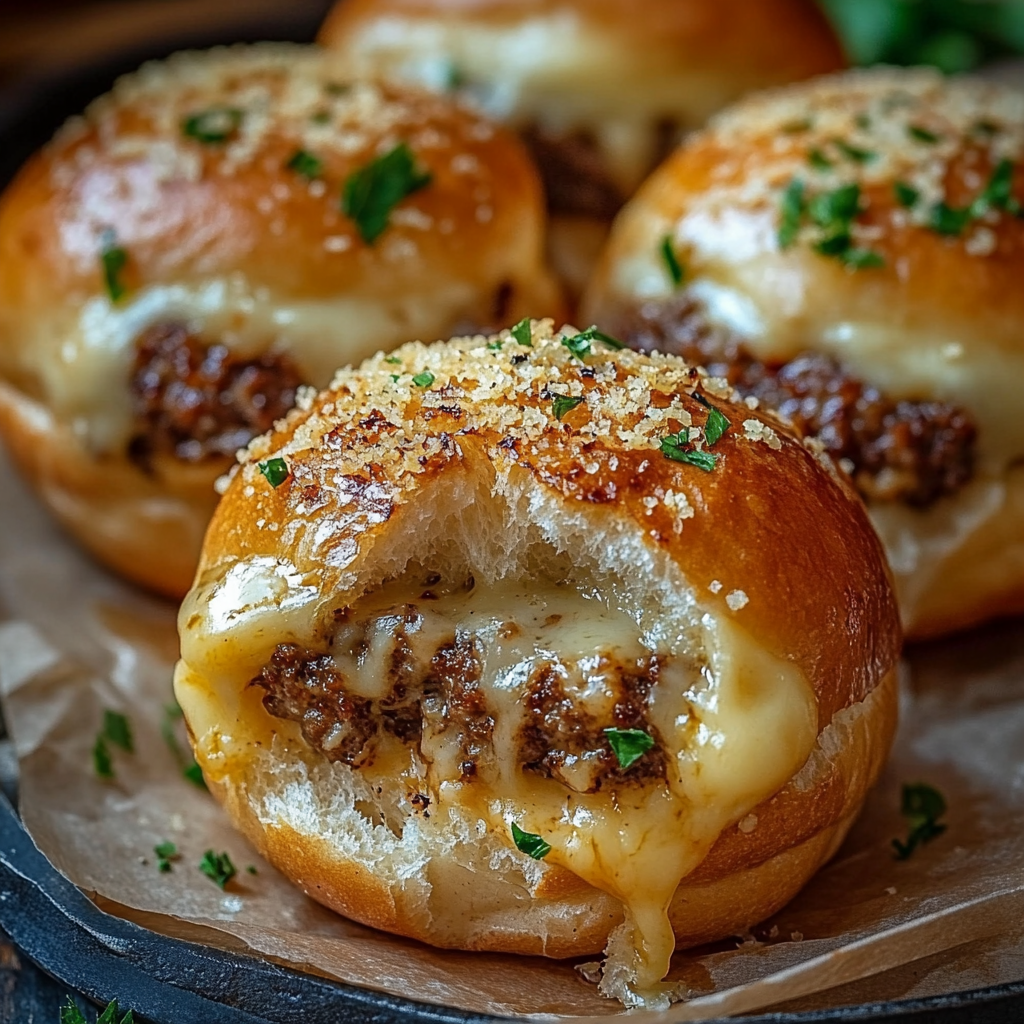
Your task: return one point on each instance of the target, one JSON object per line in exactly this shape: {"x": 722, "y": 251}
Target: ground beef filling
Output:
{"x": 197, "y": 401}
{"x": 910, "y": 451}
{"x": 555, "y": 739}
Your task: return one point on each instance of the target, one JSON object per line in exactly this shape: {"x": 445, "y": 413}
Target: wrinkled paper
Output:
{"x": 74, "y": 641}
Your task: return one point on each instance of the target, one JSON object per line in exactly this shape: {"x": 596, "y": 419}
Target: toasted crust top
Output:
{"x": 769, "y": 536}
{"x": 189, "y": 165}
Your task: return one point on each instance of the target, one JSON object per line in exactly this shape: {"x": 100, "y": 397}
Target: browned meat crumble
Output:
{"x": 556, "y": 740}
{"x": 911, "y": 451}
{"x": 198, "y": 401}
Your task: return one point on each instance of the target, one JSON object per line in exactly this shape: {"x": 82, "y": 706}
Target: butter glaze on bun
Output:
{"x": 853, "y": 251}
{"x": 465, "y": 576}
{"x": 177, "y": 262}
{"x": 600, "y": 89}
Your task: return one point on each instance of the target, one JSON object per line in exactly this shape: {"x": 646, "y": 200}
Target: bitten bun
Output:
{"x": 177, "y": 262}
{"x": 851, "y": 251}
{"x": 600, "y": 89}
{"x": 540, "y": 647}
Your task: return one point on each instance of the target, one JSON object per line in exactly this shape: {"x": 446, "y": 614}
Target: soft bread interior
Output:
{"x": 448, "y": 873}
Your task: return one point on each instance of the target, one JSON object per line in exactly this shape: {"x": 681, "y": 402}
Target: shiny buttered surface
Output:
{"x": 220, "y": 230}
{"x": 526, "y": 643}
{"x": 851, "y": 252}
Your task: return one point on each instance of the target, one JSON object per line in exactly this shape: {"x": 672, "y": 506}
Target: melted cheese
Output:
{"x": 83, "y": 357}
{"x": 737, "y": 722}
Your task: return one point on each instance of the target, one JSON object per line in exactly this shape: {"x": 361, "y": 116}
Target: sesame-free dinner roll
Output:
{"x": 851, "y": 252}
{"x": 526, "y": 644}
{"x": 219, "y": 230}
{"x": 600, "y": 89}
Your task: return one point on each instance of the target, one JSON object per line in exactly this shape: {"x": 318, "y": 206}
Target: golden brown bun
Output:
{"x": 767, "y": 559}
{"x": 223, "y": 236}
{"x": 600, "y": 89}
{"x": 941, "y": 320}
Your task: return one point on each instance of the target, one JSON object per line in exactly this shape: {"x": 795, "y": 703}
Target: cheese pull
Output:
{"x": 498, "y": 678}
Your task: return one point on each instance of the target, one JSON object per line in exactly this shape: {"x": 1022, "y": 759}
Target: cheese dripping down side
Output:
{"x": 732, "y": 723}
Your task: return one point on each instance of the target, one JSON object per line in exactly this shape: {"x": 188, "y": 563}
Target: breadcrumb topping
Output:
{"x": 400, "y": 412}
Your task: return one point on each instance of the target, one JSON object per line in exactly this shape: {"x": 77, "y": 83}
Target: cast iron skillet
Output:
{"x": 172, "y": 982}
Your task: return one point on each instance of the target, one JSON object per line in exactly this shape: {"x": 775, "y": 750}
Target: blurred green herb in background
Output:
{"x": 954, "y": 35}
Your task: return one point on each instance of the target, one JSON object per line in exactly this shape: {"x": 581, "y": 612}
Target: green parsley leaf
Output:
{"x": 454, "y": 78}
{"x": 668, "y": 254}
{"x": 834, "y": 245}
{"x": 113, "y": 259}
{"x": 71, "y": 1014}
{"x": 563, "y": 404}
{"x": 523, "y": 333}
{"x": 860, "y": 156}
{"x": 715, "y": 427}
{"x": 530, "y": 844}
{"x": 496, "y": 346}
{"x": 817, "y": 159}
{"x": 836, "y": 208}
{"x": 275, "y": 470}
{"x": 579, "y": 344}
{"x": 862, "y": 259}
{"x": 118, "y": 731}
{"x": 305, "y": 164}
{"x": 921, "y": 134}
{"x": 949, "y": 220}
{"x": 194, "y": 774}
{"x": 165, "y": 853}
{"x": 906, "y": 195}
{"x": 791, "y": 213}
{"x": 676, "y": 447}
{"x": 628, "y": 745}
{"x": 373, "y": 191}
{"x": 393, "y": 360}
{"x": 251, "y": 869}
{"x": 424, "y": 379}
{"x": 922, "y": 805}
{"x": 396, "y": 377}
{"x": 212, "y": 126}
{"x": 101, "y": 760}
{"x": 218, "y": 868}
{"x": 998, "y": 193}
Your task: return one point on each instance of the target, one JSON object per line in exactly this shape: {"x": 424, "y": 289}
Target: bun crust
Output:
{"x": 933, "y": 315}
{"x": 768, "y": 556}
{"x": 599, "y": 90}
{"x": 213, "y": 182}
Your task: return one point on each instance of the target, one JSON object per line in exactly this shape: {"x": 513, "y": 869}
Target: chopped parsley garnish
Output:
{"x": 949, "y": 220}
{"x": 101, "y": 761}
{"x": 628, "y": 745}
{"x": 305, "y": 164}
{"x": 716, "y": 426}
{"x": 212, "y": 126}
{"x": 792, "y": 211}
{"x": 251, "y": 869}
{"x": 677, "y": 447}
{"x": 579, "y": 344}
{"x": 373, "y": 191}
{"x": 393, "y": 360}
{"x": 922, "y": 805}
{"x": 424, "y": 379}
{"x": 906, "y": 195}
{"x": 194, "y": 774}
{"x": 495, "y": 346}
{"x": 454, "y": 77}
{"x": 113, "y": 259}
{"x": 530, "y": 844}
{"x": 855, "y": 153}
{"x": 523, "y": 333}
{"x": 817, "y": 159}
{"x": 836, "y": 208}
{"x": 275, "y": 470}
{"x": 166, "y": 852}
{"x": 118, "y": 731}
{"x": 563, "y": 404}
{"x": 396, "y": 377}
{"x": 71, "y": 1014}
{"x": 921, "y": 134}
{"x": 218, "y": 868}
{"x": 668, "y": 254}
{"x": 861, "y": 259}
{"x": 862, "y": 121}
{"x": 321, "y": 117}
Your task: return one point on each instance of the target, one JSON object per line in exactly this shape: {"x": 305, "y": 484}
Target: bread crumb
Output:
{"x": 797, "y": 936}
{"x": 737, "y": 600}
{"x": 891, "y": 891}
{"x": 715, "y": 586}
{"x": 748, "y": 824}
{"x": 755, "y": 430}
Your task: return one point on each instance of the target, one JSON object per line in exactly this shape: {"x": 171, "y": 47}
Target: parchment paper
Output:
{"x": 74, "y": 641}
